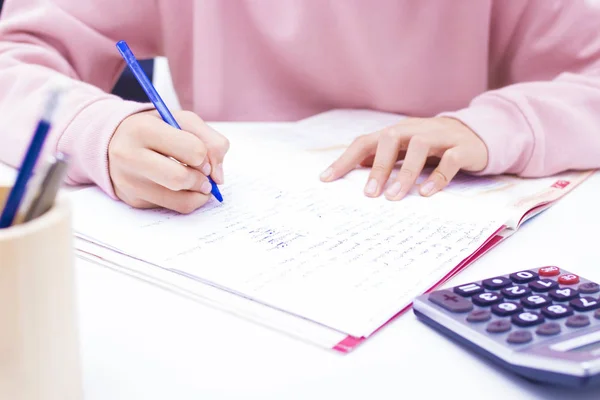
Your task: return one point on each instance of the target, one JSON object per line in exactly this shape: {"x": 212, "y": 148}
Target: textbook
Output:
{"x": 319, "y": 261}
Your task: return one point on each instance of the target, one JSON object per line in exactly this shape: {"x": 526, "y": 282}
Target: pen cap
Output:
{"x": 39, "y": 340}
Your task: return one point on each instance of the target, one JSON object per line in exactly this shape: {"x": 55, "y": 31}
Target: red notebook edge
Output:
{"x": 349, "y": 343}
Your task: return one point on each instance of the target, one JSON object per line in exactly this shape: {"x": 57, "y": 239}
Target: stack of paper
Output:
{"x": 319, "y": 261}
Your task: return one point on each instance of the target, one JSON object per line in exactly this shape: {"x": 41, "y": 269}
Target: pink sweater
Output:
{"x": 524, "y": 75}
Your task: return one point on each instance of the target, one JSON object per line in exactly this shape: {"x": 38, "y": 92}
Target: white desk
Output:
{"x": 140, "y": 342}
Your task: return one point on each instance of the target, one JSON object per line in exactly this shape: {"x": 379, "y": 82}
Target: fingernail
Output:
{"x": 219, "y": 174}
{"x": 371, "y": 187}
{"x": 427, "y": 188}
{"x": 206, "y": 187}
{"x": 394, "y": 189}
{"x": 206, "y": 169}
{"x": 326, "y": 175}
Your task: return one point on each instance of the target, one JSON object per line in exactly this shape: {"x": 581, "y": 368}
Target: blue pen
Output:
{"x": 155, "y": 98}
{"x": 15, "y": 197}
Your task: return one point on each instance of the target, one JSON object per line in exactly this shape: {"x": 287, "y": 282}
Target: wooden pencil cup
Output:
{"x": 39, "y": 340}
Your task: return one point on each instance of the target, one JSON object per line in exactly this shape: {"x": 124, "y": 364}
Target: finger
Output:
{"x": 170, "y": 174}
{"x": 386, "y": 156}
{"x": 216, "y": 144}
{"x": 361, "y": 148}
{"x": 183, "y": 146}
{"x": 447, "y": 169}
{"x": 184, "y": 202}
{"x": 368, "y": 162}
{"x": 416, "y": 156}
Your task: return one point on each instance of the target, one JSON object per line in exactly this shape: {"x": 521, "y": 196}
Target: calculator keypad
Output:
{"x": 543, "y": 285}
{"x": 499, "y": 326}
{"x": 506, "y": 308}
{"x": 563, "y": 294}
{"x": 578, "y": 321}
{"x": 525, "y": 307}
{"x": 535, "y": 301}
{"x": 487, "y": 298}
{"x": 548, "y": 329}
{"x": 523, "y": 276}
{"x": 556, "y": 311}
{"x": 584, "y": 303}
{"x": 496, "y": 283}
{"x": 479, "y": 316}
{"x": 568, "y": 279}
{"x": 468, "y": 290}
{"x": 589, "y": 288}
{"x": 520, "y": 337}
{"x": 527, "y": 318}
{"x": 549, "y": 271}
{"x": 515, "y": 292}
{"x": 451, "y": 301}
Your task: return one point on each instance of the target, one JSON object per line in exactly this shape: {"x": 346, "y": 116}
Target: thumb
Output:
{"x": 216, "y": 144}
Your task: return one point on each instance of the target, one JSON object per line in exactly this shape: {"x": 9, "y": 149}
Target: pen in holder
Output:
{"x": 39, "y": 340}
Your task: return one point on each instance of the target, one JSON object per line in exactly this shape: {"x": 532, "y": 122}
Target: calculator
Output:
{"x": 542, "y": 324}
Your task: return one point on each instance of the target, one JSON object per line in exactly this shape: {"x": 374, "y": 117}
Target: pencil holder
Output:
{"x": 39, "y": 340}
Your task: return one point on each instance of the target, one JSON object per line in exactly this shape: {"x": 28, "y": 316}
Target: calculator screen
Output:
{"x": 591, "y": 347}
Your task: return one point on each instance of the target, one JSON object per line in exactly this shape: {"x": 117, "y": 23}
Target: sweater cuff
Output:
{"x": 86, "y": 139}
{"x": 503, "y": 128}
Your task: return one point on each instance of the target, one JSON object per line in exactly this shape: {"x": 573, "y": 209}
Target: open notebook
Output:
{"x": 319, "y": 261}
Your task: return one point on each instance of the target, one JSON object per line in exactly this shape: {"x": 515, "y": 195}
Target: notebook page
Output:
{"x": 319, "y": 251}
{"x": 208, "y": 295}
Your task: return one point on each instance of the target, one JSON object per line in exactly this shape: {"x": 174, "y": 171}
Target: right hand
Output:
{"x": 144, "y": 176}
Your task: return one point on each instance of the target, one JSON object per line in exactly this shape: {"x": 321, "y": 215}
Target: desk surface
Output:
{"x": 141, "y": 342}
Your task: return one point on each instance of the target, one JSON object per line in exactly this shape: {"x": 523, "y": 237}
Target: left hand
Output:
{"x": 446, "y": 140}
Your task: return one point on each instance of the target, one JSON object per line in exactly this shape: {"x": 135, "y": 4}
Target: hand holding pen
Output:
{"x": 159, "y": 159}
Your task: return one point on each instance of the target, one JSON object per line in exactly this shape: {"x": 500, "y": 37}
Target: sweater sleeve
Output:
{"x": 70, "y": 43}
{"x": 542, "y": 113}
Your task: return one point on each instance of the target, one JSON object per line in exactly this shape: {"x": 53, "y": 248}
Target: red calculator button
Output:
{"x": 549, "y": 271}
{"x": 568, "y": 279}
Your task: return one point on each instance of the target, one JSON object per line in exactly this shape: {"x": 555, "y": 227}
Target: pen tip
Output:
{"x": 215, "y": 191}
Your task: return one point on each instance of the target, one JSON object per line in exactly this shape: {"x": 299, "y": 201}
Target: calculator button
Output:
{"x": 536, "y": 301}
{"x": 543, "y": 285}
{"x": 568, "y": 279}
{"x": 589, "y": 288}
{"x": 563, "y": 294}
{"x": 498, "y": 326}
{"x": 549, "y": 271}
{"x": 515, "y": 292}
{"x": 487, "y": 299}
{"x": 450, "y": 301}
{"x": 479, "y": 316}
{"x": 523, "y": 276}
{"x": 506, "y": 309}
{"x": 519, "y": 337}
{"x": 496, "y": 283}
{"x": 578, "y": 321}
{"x": 584, "y": 303}
{"x": 556, "y": 311}
{"x": 548, "y": 329}
{"x": 468, "y": 290}
{"x": 527, "y": 318}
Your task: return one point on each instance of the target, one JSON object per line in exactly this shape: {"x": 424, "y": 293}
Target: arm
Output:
{"x": 43, "y": 43}
{"x": 542, "y": 115}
